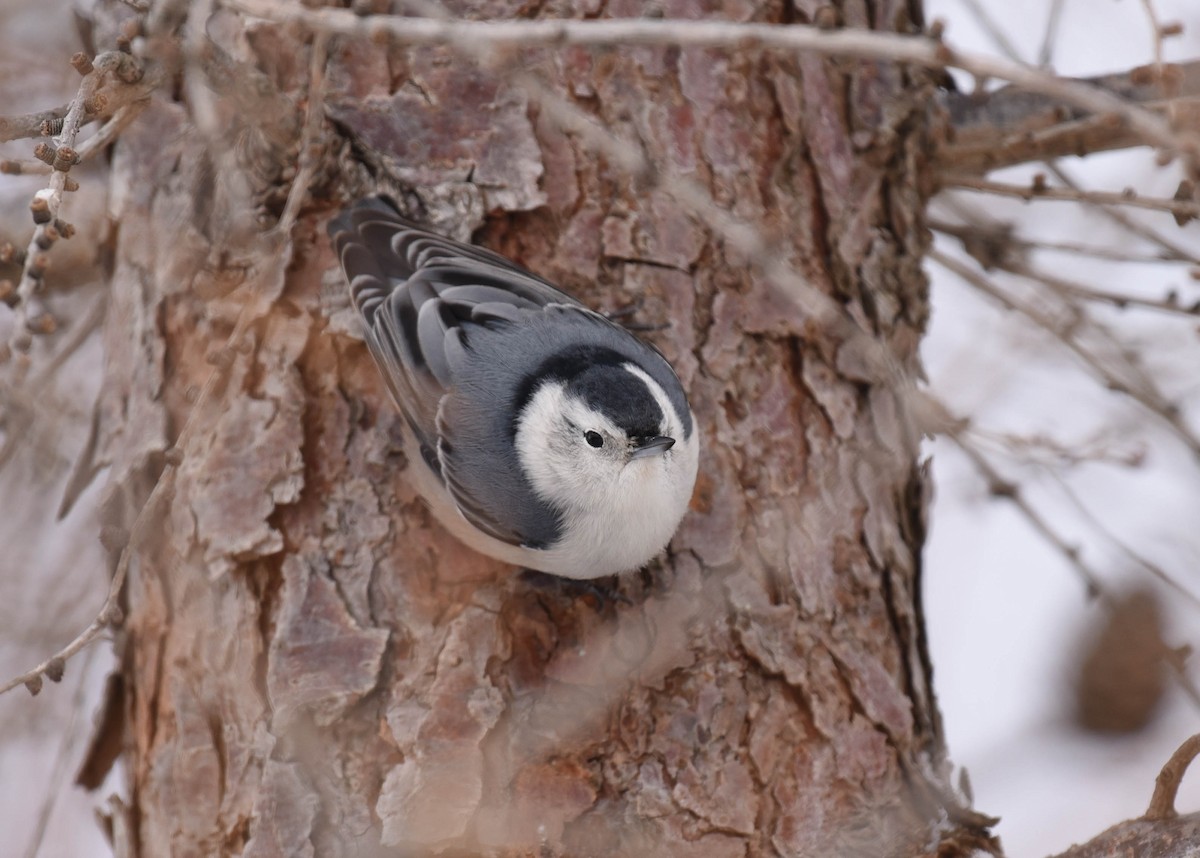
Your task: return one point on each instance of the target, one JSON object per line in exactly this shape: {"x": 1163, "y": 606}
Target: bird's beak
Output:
{"x": 651, "y": 445}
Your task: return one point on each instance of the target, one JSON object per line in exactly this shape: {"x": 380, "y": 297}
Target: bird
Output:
{"x": 538, "y": 431}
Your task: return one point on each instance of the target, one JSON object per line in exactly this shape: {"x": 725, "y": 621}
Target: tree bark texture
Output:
{"x": 313, "y": 667}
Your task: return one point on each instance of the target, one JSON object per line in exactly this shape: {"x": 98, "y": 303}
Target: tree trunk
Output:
{"x": 313, "y": 667}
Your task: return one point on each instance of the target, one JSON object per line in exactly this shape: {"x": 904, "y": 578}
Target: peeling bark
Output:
{"x": 314, "y": 667}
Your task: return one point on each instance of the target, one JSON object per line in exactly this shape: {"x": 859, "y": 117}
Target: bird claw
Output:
{"x": 605, "y": 591}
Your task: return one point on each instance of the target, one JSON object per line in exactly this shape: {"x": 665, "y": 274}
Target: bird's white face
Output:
{"x": 616, "y": 493}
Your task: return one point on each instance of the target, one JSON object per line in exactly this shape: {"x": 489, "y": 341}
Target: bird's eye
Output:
{"x": 594, "y": 439}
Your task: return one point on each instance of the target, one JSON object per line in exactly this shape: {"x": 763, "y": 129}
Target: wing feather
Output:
{"x": 423, "y": 299}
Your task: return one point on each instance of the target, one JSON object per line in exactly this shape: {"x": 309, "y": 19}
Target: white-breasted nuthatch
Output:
{"x": 539, "y": 432}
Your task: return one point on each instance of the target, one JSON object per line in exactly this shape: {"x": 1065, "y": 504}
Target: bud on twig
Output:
{"x": 40, "y": 209}
{"x": 82, "y": 63}
{"x": 46, "y": 237}
{"x": 65, "y": 159}
{"x": 45, "y": 153}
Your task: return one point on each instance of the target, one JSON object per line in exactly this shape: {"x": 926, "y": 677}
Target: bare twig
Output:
{"x": 1130, "y": 554}
{"x": 862, "y": 44}
{"x": 110, "y": 66}
{"x": 147, "y": 518}
{"x": 314, "y": 115}
{"x": 1141, "y": 389}
{"x": 1050, "y": 36}
{"x": 1166, "y": 786}
{"x": 955, "y": 430}
{"x": 1180, "y": 208}
{"x": 1051, "y": 453}
{"x": 1123, "y": 220}
{"x": 997, "y": 249}
{"x": 31, "y": 124}
{"x": 61, "y": 760}
{"x": 998, "y": 132}
{"x": 992, "y": 28}
{"x": 1156, "y": 31}
{"x": 1071, "y": 289}
{"x": 103, "y": 137}
{"x": 115, "y": 95}
{"x": 967, "y": 233}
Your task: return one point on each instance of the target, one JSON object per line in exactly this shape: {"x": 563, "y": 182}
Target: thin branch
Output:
{"x": 61, "y": 759}
{"x": 1121, "y": 300}
{"x": 98, "y": 142}
{"x": 862, "y": 44}
{"x": 957, "y": 430}
{"x": 110, "y": 66}
{"x": 147, "y": 519}
{"x": 110, "y": 612}
{"x": 965, "y": 233}
{"x": 1180, "y": 208}
{"x": 1130, "y": 554}
{"x": 1142, "y": 390}
{"x": 997, "y": 249}
{"x": 31, "y": 124}
{"x": 1050, "y": 36}
{"x": 314, "y": 115}
{"x": 1123, "y": 220}
{"x": 1008, "y": 136}
{"x": 1156, "y": 30}
{"x": 992, "y": 28}
{"x": 1013, "y": 125}
{"x": 114, "y": 94}
{"x": 1007, "y": 490}
{"x": 1049, "y": 453}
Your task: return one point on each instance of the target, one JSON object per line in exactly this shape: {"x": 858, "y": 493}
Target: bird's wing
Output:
{"x": 422, "y": 297}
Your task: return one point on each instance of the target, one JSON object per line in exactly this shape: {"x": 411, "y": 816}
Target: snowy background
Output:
{"x": 1007, "y": 616}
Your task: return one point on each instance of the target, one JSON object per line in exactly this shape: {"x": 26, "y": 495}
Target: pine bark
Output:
{"x": 312, "y": 667}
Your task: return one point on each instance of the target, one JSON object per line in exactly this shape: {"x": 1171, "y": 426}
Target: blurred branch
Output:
{"x": 973, "y": 236}
{"x": 104, "y": 136}
{"x": 1125, "y": 221}
{"x": 276, "y": 261}
{"x": 1120, "y": 300}
{"x": 1014, "y": 125}
{"x": 1050, "y": 35}
{"x": 1141, "y": 389}
{"x": 926, "y": 51}
{"x": 125, "y": 86}
{"x": 38, "y": 124}
{"x": 998, "y": 249}
{"x": 310, "y": 156}
{"x": 956, "y": 430}
{"x": 1130, "y": 554}
{"x": 61, "y": 760}
{"x": 147, "y": 518}
{"x": 1183, "y": 209}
